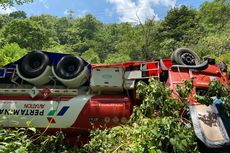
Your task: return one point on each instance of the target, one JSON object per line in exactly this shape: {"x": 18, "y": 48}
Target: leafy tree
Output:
{"x": 18, "y": 15}
{"x": 64, "y": 34}
{"x": 70, "y": 14}
{"x": 150, "y": 44}
{"x": 11, "y": 52}
{"x": 88, "y": 26}
{"x": 45, "y": 20}
{"x": 48, "y": 22}
{"x": 117, "y": 58}
{"x": 105, "y": 40}
{"x": 4, "y": 19}
{"x": 130, "y": 39}
{"x": 103, "y": 43}
{"x": 178, "y": 22}
{"x": 10, "y": 3}
{"x": 180, "y": 25}
{"x": 117, "y": 38}
{"x": 61, "y": 49}
{"x": 28, "y": 34}
{"x": 14, "y": 140}
{"x": 215, "y": 15}
{"x": 91, "y": 56}
{"x": 215, "y": 44}
{"x": 85, "y": 29}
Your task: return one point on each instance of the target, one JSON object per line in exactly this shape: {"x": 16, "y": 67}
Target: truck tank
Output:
{"x": 63, "y": 92}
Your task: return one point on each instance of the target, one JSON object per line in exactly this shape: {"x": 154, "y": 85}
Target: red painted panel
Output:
{"x": 150, "y": 67}
{"x": 167, "y": 63}
{"x": 104, "y": 110}
{"x": 202, "y": 78}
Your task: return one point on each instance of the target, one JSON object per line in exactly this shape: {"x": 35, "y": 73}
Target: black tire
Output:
{"x": 185, "y": 56}
{"x": 33, "y": 64}
{"x": 69, "y": 67}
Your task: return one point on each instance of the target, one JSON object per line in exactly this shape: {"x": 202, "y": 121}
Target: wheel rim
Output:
{"x": 71, "y": 68}
{"x": 188, "y": 59}
{"x": 35, "y": 63}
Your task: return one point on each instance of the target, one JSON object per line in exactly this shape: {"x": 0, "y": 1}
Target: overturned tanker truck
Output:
{"x": 63, "y": 92}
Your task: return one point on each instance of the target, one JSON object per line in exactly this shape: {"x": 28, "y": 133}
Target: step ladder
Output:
{"x": 7, "y": 73}
{"x": 144, "y": 72}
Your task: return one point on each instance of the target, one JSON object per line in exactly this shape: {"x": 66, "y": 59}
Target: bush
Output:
{"x": 155, "y": 126}
{"x": 14, "y": 140}
{"x": 23, "y": 140}
{"x": 114, "y": 58}
{"x": 91, "y": 56}
{"x": 11, "y": 52}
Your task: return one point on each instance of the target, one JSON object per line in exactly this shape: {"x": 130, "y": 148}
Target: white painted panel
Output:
{"x": 15, "y": 113}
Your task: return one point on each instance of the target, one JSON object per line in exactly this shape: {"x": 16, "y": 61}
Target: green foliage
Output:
{"x": 117, "y": 58}
{"x": 155, "y": 126}
{"x": 185, "y": 91}
{"x": 219, "y": 91}
{"x": 87, "y": 26}
{"x": 91, "y": 56}
{"x": 63, "y": 33}
{"x": 180, "y": 24}
{"x": 206, "y": 31}
{"x": 4, "y": 20}
{"x": 48, "y": 22}
{"x": 224, "y": 57}
{"x": 15, "y": 140}
{"x": 18, "y": 14}
{"x": 163, "y": 134}
{"x": 214, "y": 44}
{"x": 49, "y": 143}
{"x": 154, "y": 100}
{"x": 61, "y": 49}
{"x": 26, "y": 33}
{"x": 10, "y": 53}
{"x": 23, "y": 140}
{"x": 214, "y": 15}
{"x": 9, "y": 3}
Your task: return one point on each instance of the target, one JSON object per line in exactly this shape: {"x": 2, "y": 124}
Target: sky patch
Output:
{"x": 107, "y": 11}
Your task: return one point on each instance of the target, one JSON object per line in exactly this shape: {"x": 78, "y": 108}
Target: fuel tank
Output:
{"x": 76, "y": 114}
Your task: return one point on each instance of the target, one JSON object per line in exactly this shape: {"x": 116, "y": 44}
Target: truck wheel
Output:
{"x": 33, "y": 64}
{"x": 185, "y": 56}
{"x": 69, "y": 67}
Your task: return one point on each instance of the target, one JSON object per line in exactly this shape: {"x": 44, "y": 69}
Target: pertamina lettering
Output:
{"x": 25, "y": 112}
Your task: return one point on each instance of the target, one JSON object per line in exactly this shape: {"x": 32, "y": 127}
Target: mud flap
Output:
{"x": 208, "y": 126}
